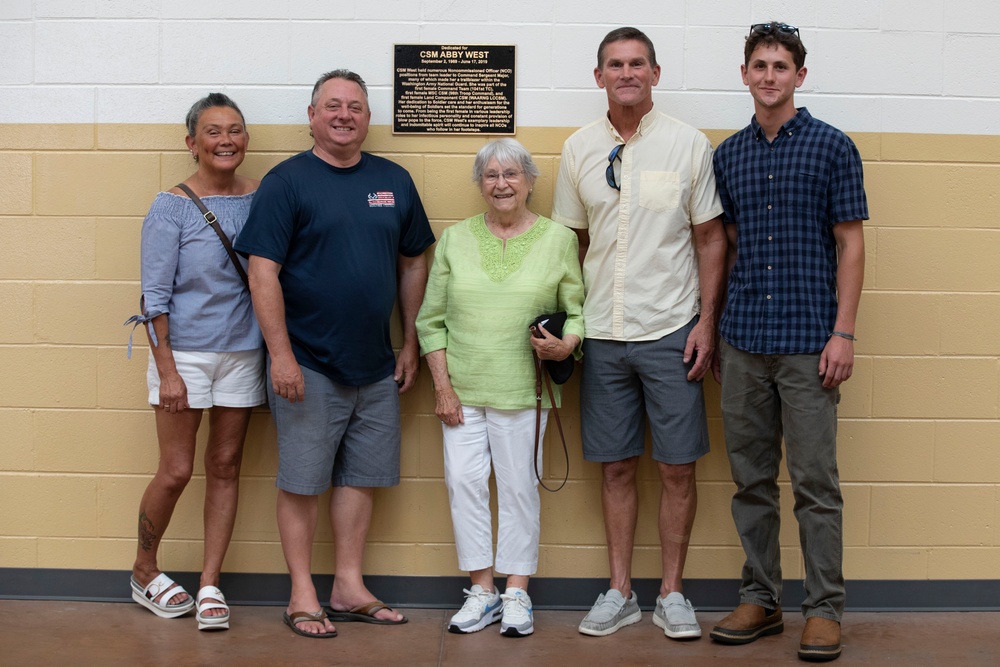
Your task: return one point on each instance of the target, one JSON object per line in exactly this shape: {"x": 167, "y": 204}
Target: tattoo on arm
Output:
{"x": 147, "y": 533}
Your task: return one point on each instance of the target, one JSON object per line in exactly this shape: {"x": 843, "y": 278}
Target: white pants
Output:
{"x": 507, "y": 439}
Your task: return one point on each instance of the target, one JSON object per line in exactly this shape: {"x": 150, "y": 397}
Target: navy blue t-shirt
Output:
{"x": 337, "y": 234}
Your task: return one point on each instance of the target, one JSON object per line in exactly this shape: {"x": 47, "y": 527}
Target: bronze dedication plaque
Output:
{"x": 453, "y": 89}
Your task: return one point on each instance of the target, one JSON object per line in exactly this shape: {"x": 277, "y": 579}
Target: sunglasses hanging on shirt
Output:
{"x": 614, "y": 156}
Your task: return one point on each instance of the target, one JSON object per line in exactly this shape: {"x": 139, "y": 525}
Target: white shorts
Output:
{"x": 226, "y": 379}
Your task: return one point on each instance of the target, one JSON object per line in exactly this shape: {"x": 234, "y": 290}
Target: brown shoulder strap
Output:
{"x": 554, "y": 411}
{"x": 214, "y": 223}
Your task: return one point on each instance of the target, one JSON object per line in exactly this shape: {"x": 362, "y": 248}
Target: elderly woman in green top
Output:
{"x": 493, "y": 274}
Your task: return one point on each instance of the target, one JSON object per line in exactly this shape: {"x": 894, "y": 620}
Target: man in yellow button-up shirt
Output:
{"x": 638, "y": 188}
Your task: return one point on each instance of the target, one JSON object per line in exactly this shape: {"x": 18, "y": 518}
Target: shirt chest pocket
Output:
{"x": 659, "y": 190}
{"x": 804, "y": 189}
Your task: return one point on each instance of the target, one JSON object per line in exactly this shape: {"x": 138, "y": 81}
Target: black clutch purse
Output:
{"x": 559, "y": 371}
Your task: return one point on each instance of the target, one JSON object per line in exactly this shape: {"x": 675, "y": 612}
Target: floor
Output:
{"x": 39, "y": 634}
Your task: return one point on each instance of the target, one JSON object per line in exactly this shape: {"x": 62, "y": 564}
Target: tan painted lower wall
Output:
{"x": 920, "y": 423}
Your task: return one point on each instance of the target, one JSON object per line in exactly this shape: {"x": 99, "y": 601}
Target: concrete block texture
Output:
{"x": 121, "y": 382}
{"x": 928, "y": 194}
{"x": 115, "y": 257}
{"x": 44, "y": 248}
{"x": 920, "y": 421}
{"x": 18, "y": 453}
{"x": 84, "y": 552}
{"x": 20, "y": 551}
{"x": 950, "y": 260}
{"x": 122, "y": 52}
{"x": 967, "y": 563}
{"x": 27, "y": 136}
{"x": 60, "y": 9}
{"x": 18, "y": 307}
{"x": 969, "y": 16}
{"x": 312, "y": 51}
{"x": 16, "y": 9}
{"x": 218, "y": 9}
{"x": 258, "y": 52}
{"x": 967, "y": 452}
{"x": 48, "y": 376}
{"x": 963, "y": 58}
{"x": 904, "y": 562}
{"x": 924, "y": 515}
{"x": 15, "y": 188}
{"x": 72, "y": 313}
{"x": 936, "y": 388}
{"x": 103, "y": 184}
{"x": 899, "y": 15}
{"x": 915, "y": 69}
{"x": 15, "y": 52}
{"x": 48, "y": 505}
{"x": 893, "y": 451}
{"x": 63, "y": 438}
{"x": 275, "y": 46}
{"x": 136, "y": 9}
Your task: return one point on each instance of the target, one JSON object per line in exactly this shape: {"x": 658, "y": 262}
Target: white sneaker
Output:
{"x": 518, "y": 619}
{"x": 676, "y": 616}
{"x": 481, "y": 608}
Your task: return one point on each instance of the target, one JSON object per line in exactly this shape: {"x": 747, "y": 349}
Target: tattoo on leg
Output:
{"x": 147, "y": 534}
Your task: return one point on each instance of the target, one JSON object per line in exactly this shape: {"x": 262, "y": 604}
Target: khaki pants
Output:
{"x": 765, "y": 398}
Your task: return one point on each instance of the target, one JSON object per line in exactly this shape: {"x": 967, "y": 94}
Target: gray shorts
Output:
{"x": 623, "y": 382}
{"x": 339, "y": 435}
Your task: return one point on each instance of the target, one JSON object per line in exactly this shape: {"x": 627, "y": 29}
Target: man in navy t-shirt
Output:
{"x": 334, "y": 236}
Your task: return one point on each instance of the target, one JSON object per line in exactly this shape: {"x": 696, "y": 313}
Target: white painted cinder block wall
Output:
{"x": 874, "y": 65}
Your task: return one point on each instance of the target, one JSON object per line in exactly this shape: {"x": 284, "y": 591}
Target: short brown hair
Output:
{"x": 624, "y": 34}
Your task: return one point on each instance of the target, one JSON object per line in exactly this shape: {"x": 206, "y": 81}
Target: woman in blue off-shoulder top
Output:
{"x": 205, "y": 353}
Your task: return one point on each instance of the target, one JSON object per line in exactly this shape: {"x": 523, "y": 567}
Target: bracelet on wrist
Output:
{"x": 844, "y": 334}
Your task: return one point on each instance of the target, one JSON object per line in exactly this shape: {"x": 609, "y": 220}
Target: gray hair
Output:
{"x": 205, "y": 103}
{"x": 345, "y": 74}
{"x": 507, "y": 151}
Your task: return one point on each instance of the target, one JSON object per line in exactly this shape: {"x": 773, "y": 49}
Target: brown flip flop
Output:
{"x": 364, "y": 613}
{"x": 292, "y": 620}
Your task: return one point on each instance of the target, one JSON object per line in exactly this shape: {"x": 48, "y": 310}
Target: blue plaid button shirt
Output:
{"x": 785, "y": 197}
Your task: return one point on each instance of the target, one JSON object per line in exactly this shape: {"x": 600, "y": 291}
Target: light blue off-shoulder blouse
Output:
{"x": 187, "y": 274}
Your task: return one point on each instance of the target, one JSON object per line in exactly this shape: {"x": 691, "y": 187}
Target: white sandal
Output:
{"x": 212, "y": 622}
{"x": 168, "y": 588}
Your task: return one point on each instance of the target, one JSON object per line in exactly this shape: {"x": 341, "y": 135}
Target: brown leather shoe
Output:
{"x": 747, "y": 623}
{"x": 820, "y": 640}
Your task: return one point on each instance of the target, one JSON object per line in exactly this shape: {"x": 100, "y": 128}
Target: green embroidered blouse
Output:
{"x": 482, "y": 294}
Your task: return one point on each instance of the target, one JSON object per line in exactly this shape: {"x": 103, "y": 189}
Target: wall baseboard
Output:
{"x": 546, "y": 592}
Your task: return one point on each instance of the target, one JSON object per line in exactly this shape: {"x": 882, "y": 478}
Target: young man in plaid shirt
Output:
{"x": 793, "y": 194}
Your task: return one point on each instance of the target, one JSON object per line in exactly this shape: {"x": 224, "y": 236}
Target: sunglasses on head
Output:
{"x": 615, "y": 154}
{"x": 768, "y": 28}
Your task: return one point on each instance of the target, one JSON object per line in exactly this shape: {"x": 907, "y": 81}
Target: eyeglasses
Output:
{"x": 615, "y": 154}
{"x": 768, "y": 28}
{"x": 509, "y": 175}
